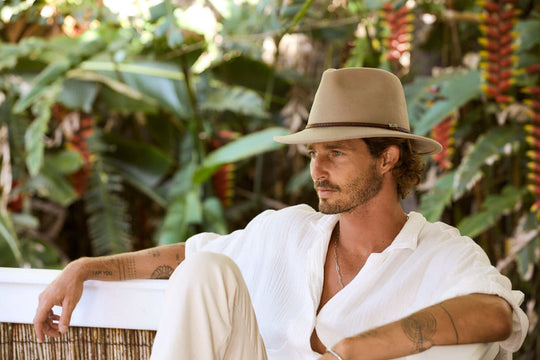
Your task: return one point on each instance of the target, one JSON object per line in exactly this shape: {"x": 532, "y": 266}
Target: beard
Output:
{"x": 355, "y": 193}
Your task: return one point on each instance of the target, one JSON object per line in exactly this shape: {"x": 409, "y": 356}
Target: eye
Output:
{"x": 312, "y": 153}
{"x": 337, "y": 153}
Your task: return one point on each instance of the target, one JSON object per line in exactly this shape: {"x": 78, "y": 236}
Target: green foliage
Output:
{"x": 242, "y": 148}
{"x": 108, "y": 222}
{"x": 162, "y": 89}
{"x": 33, "y": 138}
{"x": 454, "y": 90}
{"x": 9, "y": 237}
{"x": 438, "y": 198}
{"x": 493, "y": 208}
{"x": 489, "y": 147}
{"x": 236, "y": 99}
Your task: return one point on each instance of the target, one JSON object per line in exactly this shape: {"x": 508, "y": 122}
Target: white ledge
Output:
{"x": 132, "y": 304}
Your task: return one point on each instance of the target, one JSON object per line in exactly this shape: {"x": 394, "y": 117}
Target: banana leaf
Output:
{"x": 213, "y": 216}
{"x": 181, "y": 213}
{"x": 35, "y": 134}
{"x": 433, "y": 203}
{"x": 527, "y": 32}
{"x": 455, "y": 90}
{"x": 51, "y": 182}
{"x": 246, "y": 146}
{"x": 9, "y": 236}
{"x": 142, "y": 165}
{"x": 492, "y": 209}
{"x": 489, "y": 147}
{"x": 235, "y": 99}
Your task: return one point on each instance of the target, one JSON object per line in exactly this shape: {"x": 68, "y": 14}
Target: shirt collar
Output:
{"x": 407, "y": 238}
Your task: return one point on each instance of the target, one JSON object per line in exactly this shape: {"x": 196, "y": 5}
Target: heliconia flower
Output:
{"x": 223, "y": 182}
{"x": 79, "y": 142}
{"x": 16, "y": 199}
{"x": 533, "y": 104}
{"x": 443, "y": 132}
{"x": 535, "y": 179}
{"x": 498, "y": 57}
{"x": 533, "y": 69}
{"x": 534, "y": 190}
{"x": 536, "y": 208}
{"x": 533, "y": 130}
{"x": 533, "y": 90}
{"x": 533, "y": 140}
{"x": 224, "y": 178}
{"x": 533, "y": 155}
{"x": 504, "y": 99}
{"x": 490, "y": 6}
{"x": 534, "y": 167}
{"x": 399, "y": 21}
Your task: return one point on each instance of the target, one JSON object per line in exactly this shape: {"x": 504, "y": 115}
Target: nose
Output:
{"x": 318, "y": 169}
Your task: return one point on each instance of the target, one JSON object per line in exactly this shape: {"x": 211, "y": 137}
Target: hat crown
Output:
{"x": 366, "y": 95}
{"x": 356, "y": 103}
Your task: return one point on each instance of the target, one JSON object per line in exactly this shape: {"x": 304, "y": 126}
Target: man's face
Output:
{"x": 344, "y": 175}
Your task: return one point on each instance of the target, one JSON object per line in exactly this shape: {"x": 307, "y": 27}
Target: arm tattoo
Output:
{"x": 452, "y": 321}
{"x": 155, "y": 252}
{"x": 420, "y": 328}
{"x": 105, "y": 269}
{"x": 126, "y": 268}
{"x": 162, "y": 272}
{"x": 102, "y": 273}
{"x": 368, "y": 333}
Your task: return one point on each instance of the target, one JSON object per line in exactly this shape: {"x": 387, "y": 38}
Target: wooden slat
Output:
{"x": 17, "y": 341}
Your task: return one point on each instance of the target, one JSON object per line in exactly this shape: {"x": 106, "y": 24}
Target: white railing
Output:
{"x": 132, "y": 304}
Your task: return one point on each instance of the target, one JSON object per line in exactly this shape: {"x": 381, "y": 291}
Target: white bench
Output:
{"x": 113, "y": 320}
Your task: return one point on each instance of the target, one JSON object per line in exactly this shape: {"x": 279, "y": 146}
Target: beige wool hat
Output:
{"x": 355, "y": 103}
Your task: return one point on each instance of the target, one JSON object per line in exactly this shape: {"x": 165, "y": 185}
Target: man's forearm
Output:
{"x": 475, "y": 318}
{"x": 67, "y": 288}
{"x": 154, "y": 263}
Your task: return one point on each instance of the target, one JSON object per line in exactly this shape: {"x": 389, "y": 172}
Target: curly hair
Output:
{"x": 408, "y": 170}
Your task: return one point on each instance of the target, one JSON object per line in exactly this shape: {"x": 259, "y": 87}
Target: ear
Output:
{"x": 389, "y": 158}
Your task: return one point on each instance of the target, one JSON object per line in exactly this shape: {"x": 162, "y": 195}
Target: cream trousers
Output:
{"x": 207, "y": 314}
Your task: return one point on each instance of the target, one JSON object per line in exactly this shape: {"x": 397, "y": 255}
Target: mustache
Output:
{"x": 325, "y": 184}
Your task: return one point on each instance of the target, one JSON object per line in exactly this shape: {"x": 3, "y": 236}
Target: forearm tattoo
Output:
{"x": 369, "y": 333}
{"x": 105, "y": 269}
{"x": 452, "y": 321}
{"x": 420, "y": 328}
{"x": 126, "y": 268}
{"x": 116, "y": 268}
{"x": 154, "y": 252}
{"x": 162, "y": 272}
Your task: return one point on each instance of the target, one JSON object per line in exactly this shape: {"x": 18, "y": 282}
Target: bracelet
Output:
{"x": 329, "y": 350}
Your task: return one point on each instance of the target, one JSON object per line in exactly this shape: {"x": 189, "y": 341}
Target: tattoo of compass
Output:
{"x": 162, "y": 272}
{"x": 420, "y": 329}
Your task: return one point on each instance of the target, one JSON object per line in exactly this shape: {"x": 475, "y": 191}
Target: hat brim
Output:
{"x": 421, "y": 145}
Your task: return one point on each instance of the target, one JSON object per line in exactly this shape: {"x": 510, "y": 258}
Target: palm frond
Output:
{"x": 108, "y": 220}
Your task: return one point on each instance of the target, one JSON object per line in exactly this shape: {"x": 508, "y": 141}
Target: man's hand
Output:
{"x": 65, "y": 291}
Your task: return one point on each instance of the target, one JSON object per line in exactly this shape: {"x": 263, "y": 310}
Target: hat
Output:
{"x": 354, "y": 103}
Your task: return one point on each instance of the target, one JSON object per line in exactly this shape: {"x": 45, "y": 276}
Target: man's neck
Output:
{"x": 371, "y": 228}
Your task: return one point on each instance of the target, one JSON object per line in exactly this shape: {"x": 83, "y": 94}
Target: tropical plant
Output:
{"x": 121, "y": 132}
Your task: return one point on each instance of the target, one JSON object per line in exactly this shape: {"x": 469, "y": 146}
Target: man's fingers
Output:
{"x": 65, "y": 318}
{"x": 41, "y": 320}
{"x": 51, "y": 331}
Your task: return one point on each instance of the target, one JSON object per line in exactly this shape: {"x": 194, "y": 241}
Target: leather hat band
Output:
{"x": 381, "y": 126}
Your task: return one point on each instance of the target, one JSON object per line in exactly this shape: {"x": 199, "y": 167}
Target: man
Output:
{"x": 358, "y": 280}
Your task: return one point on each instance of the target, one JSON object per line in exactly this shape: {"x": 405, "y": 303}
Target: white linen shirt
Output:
{"x": 281, "y": 255}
